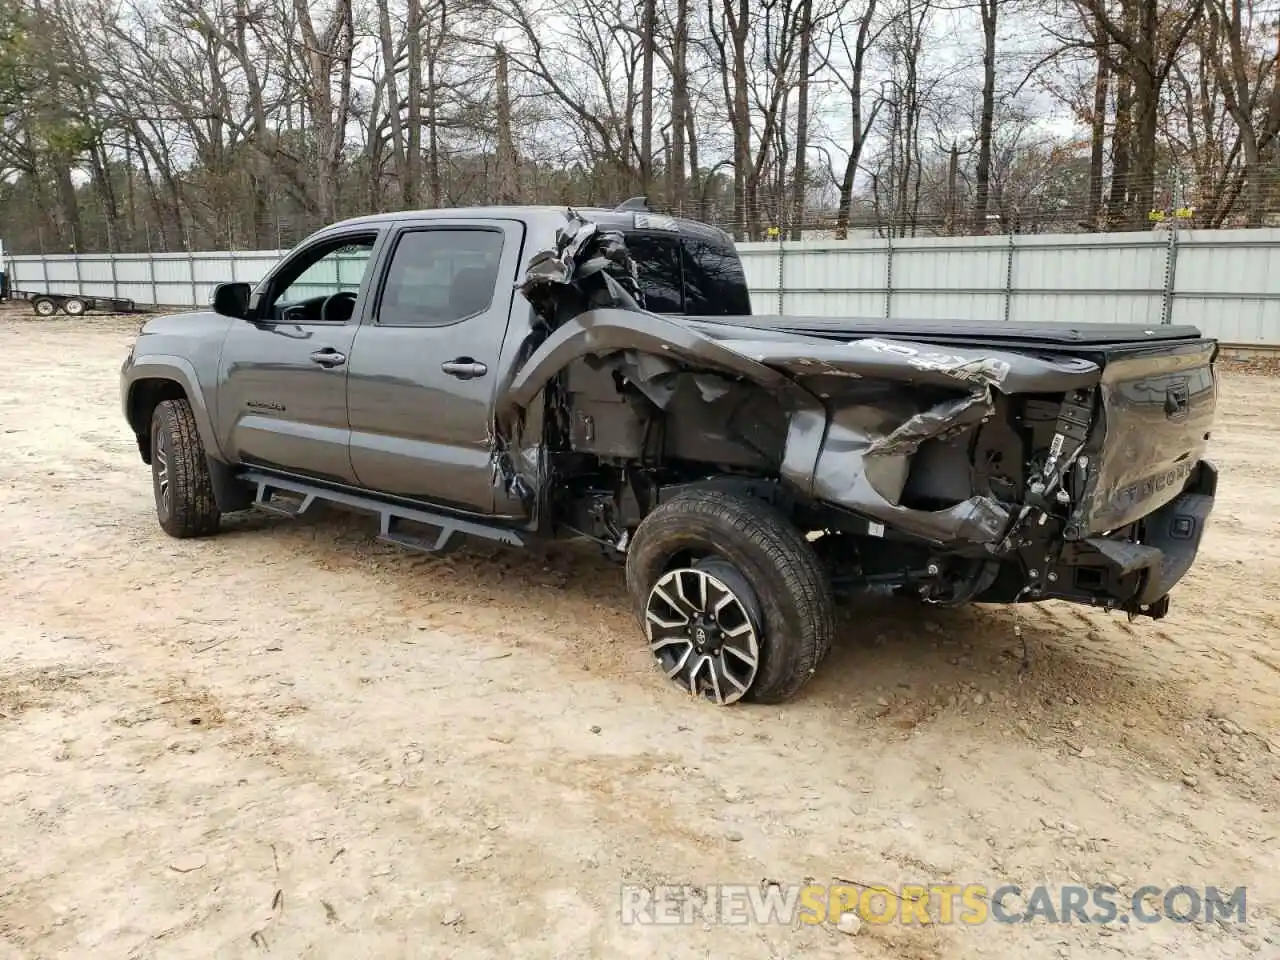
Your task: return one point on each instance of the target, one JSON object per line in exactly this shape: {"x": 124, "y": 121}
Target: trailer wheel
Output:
{"x": 44, "y": 306}
{"x": 734, "y": 601}
{"x": 73, "y": 307}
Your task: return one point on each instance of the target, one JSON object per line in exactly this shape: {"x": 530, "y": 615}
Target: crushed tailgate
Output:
{"x": 1158, "y": 406}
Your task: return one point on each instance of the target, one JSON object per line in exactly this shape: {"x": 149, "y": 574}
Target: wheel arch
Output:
{"x": 153, "y": 380}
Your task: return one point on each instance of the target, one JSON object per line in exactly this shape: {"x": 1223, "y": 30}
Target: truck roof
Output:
{"x": 551, "y": 216}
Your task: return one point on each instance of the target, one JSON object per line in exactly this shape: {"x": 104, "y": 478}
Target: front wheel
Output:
{"x": 734, "y": 601}
{"x": 180, "y": 478}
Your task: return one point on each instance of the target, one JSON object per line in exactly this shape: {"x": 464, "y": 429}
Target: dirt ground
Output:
{"x": 293, "y": 741}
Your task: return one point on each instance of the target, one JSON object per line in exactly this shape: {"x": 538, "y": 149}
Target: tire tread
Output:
{"x": 193, "y": 509}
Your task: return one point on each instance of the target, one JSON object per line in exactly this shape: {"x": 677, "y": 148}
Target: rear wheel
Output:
{"x": 73, "y": 307}
{"x": 180, "y": 479}
{"x": 44, "y": 306}
{"x": 735, "y": 603}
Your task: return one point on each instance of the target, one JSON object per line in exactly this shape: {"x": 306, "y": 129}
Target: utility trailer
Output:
{"x": 72, "y": 304}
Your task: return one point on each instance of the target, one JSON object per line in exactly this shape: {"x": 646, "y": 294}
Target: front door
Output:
{"x": 425, "y": 365}
{"x": 282, "y": 392}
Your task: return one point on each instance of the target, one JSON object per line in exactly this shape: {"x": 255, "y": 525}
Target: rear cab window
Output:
{"x": 686, "y": 273}
{"x": 659, "y": 270}
{"x": 714, "y": 281}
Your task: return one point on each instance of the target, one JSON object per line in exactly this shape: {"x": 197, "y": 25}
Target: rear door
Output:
{"x": 282, "y": 387}
{"x": 425, "y": 365}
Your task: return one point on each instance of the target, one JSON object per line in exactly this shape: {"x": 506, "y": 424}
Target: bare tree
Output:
{"x": 182, "y": 123}
{"x": 1146, "y": 39}
{"x": 1247, "y": 72}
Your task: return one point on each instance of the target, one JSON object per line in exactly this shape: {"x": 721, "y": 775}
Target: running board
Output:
{"x": 445, "y": 529}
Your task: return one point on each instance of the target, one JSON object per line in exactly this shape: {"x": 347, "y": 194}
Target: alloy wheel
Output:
{"x": 701, "y": 630}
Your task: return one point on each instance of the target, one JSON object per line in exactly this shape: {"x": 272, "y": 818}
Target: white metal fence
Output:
{"x": 1226, "y": 282}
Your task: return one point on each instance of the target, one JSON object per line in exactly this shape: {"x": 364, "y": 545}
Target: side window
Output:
{"x": 715, "y": 284}
{"x": 657, "y": 260}
{"x": 439, "y": 277}
{"x": 335, "y": 270}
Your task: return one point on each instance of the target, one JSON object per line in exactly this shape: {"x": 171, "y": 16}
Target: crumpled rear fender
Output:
{"x": 605, "y": 331}
{"x": 864, "y": 457}
{"x": 612, "y": 330}
{"x": 854, "y": 454}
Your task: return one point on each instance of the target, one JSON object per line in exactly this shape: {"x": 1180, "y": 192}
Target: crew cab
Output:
{"x": 534, "y": 372}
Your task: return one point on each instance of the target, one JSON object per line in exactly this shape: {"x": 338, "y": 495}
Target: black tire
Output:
{"x": 180, "y": 480}
{"x": 74, "y": 307}
{"x": 791, "y": 595}
{"x": 44, "y": 307}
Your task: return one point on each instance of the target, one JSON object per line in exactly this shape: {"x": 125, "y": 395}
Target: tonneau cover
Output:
{"x": 1098, "y": 336}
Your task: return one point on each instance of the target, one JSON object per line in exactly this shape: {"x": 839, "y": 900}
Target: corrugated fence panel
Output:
{"x": 947, "y": 278}
{"x": 213, "y": 268}
{"x": 835, "y": 278}
{"x": 252, "y": 265}
{"x": 1227, "y": 283}
{"x": 1099, "y": 278}
{"x": 760, "y": 264}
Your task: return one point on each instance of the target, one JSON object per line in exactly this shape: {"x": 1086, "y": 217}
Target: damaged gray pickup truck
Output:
{"x": 512, "y": 373}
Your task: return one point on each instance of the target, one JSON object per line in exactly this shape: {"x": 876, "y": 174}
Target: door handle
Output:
{"x": 329, "y": 357}
{"x": 464, "y": 368}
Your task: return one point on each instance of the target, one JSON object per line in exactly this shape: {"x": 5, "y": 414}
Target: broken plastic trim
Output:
{"x": 561, "y": 280}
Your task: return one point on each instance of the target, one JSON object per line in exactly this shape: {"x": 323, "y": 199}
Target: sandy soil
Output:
{"x": 290, "y": 740}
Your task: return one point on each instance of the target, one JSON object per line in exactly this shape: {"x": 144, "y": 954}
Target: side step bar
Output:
{"x": 390, "y": 516}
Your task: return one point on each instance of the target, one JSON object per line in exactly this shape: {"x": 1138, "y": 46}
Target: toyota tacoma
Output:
{"x": 525, "y": 372}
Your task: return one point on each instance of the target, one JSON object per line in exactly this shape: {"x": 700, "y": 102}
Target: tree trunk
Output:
{"x": 982, "y": 179}
{"x": 953, "y": 199}
{"x": 1146, "y": 115}
{"x": 646, "y": 96}
{"x": 1146, "y": 104}
{"x": 800, "y": 172}
{"x": 695, "y": 176}
{"x": 858, "y": 130}
{"x": 1098, "y": 143}
{"x": 744, "y": 205}
{"x": 1118, "y": 203}
{"x": 398, "y": 158}
{"x": 413, "y": 166}
{"x": 433, "y": 136}
{"x": 508, "y": 182}
{"x": 679, "y": 107}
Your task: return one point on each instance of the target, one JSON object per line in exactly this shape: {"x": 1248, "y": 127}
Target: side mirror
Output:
{"x": 231, "y": 299}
